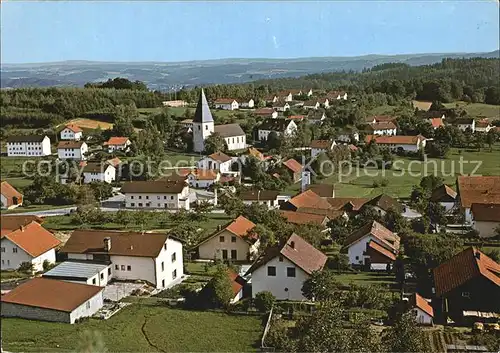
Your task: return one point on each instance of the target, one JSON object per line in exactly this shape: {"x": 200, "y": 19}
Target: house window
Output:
{"x": 165, "y": 197}
{"x": 147, "y": 197}
{"x": 93, "y": 281}
{"x": 140, "y": 197}
{"x": 132, "y": 197}
{"x": 109, "y": 271}
{"x": 174, "y": 257}
{"x": 466, "y": 295}
{"x": 140, "y": 204}
{"x": 132, "y": 204}
{"x": 162, "y": 266}
{"x": 165, "y": 246}
{"x": 14, "y": 250}
{"x": 281, "y": 259}
{"x": 123, "y": 267}
{"x": 158, "y": 197}
{"x": 290, "y": 271}
{"x": 117, "y": 267}
{"x": 171, "y": 197}
{"x": 206, "y": 127}
{"x": 3, "y": 249}
{"x": 357, "y": 257}
{"x": 129, "y": 268}
{"x": 271, "y": 271}
{"x": 102, "y": 275}
{"x": 174, "y": 274}
{"x": 163, "y": 283}
{"x": 234, "y": 254}
{"x": 233, "y": 239}
{"x": 87, "y": 305}
{"x": 224, "y": 254}
{"x": 221, "y": 239}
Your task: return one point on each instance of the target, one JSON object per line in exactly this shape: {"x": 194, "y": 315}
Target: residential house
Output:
{"x": 282, "y": 270}
{"x": 255, "y": 153}
{"x": 310, "y": 202}
{"x": 271, "y": 99}
{"x": 246, "y": 103}
{"x": 468, "y": 285}
{"x": 76, "y": 150}
{"x": 218, "y": 161}
{"x": 281, "y": 127}
{"x": 483, "y": 125}
{"x": 261, "y": 197}
{"x": 300, "y": 218}
{"x": 52, "y": 300}
{"x": 436, "y": 122}
{"x": 86, "y": 272}
{"x": 174, "y": 103}
{"x": 372, "y": 246}
{"x": 399, "y": 143}
{"x": 296, "y": 118}
{"x": 156, "y": 258}
{"x": 322, "y": 190}
{"x": 226, "y": 104}
{"x": 233, "y": 135}
{"x": 382, "y": 128}
{"x": 115, "y": 162}
{"x": 466, "y": 124}
{"x": 28, "y": 146}
{"x": 294, "y": 169}
{"x": 156, "y": 194}
{"x": 383, "y": 203}
{"x": 237, "y": 285}
{"x": 71, "y": 132}
{"x": 29, "y": 243}
{"x": 9, "y": 223}
{"x": 421, "y": 309}
{"x": 477, "y": 189}
{"x": 118, "y": 143}
{"x": 352, "y": 205}
{"x": 445, "y": 196}
{"x": 98, "y": 171}
{"x": 266, "y": 113}
{"x": 202, "y": 178}
{"x": 316, "y": 117}
{"x": 486, "y": 219}
{"x": 337, "y": 95}
{"x": 325, "y": 103}
{"x": 287, "y": 96}
{"x": 236, "y": 242}
{"x": 312, "y": 104}
{"x": 10, "y": 197}
{"x": 321, "y": 146}
{"x": 281, "y": 107}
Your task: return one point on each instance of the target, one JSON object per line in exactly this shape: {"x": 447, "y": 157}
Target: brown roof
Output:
{"x": 220, "y": 157}
{"x": 311, "y": 103}
{"x": 396, "y": 140}
{"x": 257, "y": 154}
{"x": 309, "y": 199}
{"x": 26, "y": 138}
{"x": 322, "y": 190}
{"x": 153, "y": 187}
{"x": 70, "y": 144}
{"x": 381, "y": 250}
{"x": 264, "y": 111}
{"x": 256, "y": 195}
{"x": 463, "y": 267}
{"x": 443, "y": 193}
{"x": 116, "y": 140}
{"x": 114, "y": 161}
{"x": 304, "y": 218}
{"x": 419, "y": 302}
{"x": 321, "y": 144}
{"x": 51, "y": 294}
{"x": 386, "y": 203}
{"x": 485, "y": 212}
{"x": 9, "y": 192}
{"x": 122, "y": 243}
{"x": 339, "y": 203}
{"x": 293, "y": 165}
{"x": 381, "y": 234}
{"x": 478, "y": 189}
{"x": 383, "y": 125}
{"x": 224, "y": 100}
{"x": 10, "y": 223}
{"x": 73, "y": 127}
{"x": 296, "y": 250}
{"x": 33, "y": 239}
{"x": 229, "y": 130}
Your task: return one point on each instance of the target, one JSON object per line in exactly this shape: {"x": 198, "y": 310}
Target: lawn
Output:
{"x": 140, "y": 328}
{"x": 18, "y": 182}
{"x": 33, "y": 208}
{"x": 477, "y": 109}
{"x": 366, "y": 278}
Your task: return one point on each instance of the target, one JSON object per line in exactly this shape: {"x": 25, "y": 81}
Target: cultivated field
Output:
{"x": 422, "y": 105}
{"x": 90, "y": 124}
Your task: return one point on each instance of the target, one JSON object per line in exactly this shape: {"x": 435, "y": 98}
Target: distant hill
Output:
{"x": 168, "y": 76}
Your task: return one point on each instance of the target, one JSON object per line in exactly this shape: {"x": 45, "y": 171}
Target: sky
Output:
{"x": 34, "y": 31}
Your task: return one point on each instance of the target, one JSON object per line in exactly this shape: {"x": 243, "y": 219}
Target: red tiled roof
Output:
{"x": 114, "y": 161}
{"x": 33, "y": 239}
{"x": 220, "y": 157}
{"x": 339, "y": 203}
{"x": 51, "y": 294}
{"x": 293, "y": 165}
{"x": 381, "y": 250}
{"x": 419, "y": 302}
{"x": 384, "y": 236}
{"x": 204, "y": 174}
{"x": 463, "y": 267}
{"x": 395, "y": 140}
{"x": 257, "y": 154}
{"x": 73, "y": 127}
{"x": 436, "y": 122}
{"x": 9, "y": 193}
{"x": 485, "y": 212}
{"x": 309, "y": 199}
{"x": 240, "y": 226}
{"x": 383, "y": 125}
{"x": 304, "y": 218}
{"x": 116, "y": 141}
{"x": 321, "y": 144}
{"x": 478, "y": 189}
{"x": 264, "y": 111}
{"x": 295, "y": 117}
{"x": 237, "y": 282}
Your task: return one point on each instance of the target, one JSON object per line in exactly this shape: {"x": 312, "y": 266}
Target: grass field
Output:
{"x": 366, "y": 278}
{"x": 140, "y": 328}
{"x": 477, "y": 109}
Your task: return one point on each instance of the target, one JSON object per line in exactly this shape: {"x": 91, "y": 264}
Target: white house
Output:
{"x": 324, "y": 102}
{"x": 152, "y": 257}
{"x": 202, "y": 178}
{"x": 337, "y": 95}
{"x": 71, "y": 132}
{"x": 52, "y": 300}
{"x": 233, "y": 135}
{"x": 266, "y": 113}
{"x": 156, "y": 194}
{"x": 104, "y": 172}
{"x": 234, "y": 241}
{"x": 312, "y": 104}
{"x": 283, "y": 270}
{"x": 382, "y": 128}
{"x": 316, "y": 117}
{"x": 320, "y": 146}
{"x": 261, "y": 197}
{"x": 86, "y": 272}
{"x": 174, "y": 103}
{"x": 483, "y": 126}
{"x": 348, "y": 136}
{"x": 226, "y": 104}
{"x": 76, "y": 150}
{"x": 421, "y": 309}
{"x": 486, "y": 219}
{"x": 279, "y": 126}
{"x": 372, "y": 246}
{"x": 281, "y": 107}
{"x": 445, "y": 196}
{"x": 218, "y": 161}
{"x": 28, "y": 146}
{"x": 246, "y": 103}
{"x": 10, "y": 197}
{"x": 287, "y": 96}
{"x": 466, "y": 123}
{"x": 118, "y": 143}
{"x": 29, "y": 243}
{"x": 399, "y": 143}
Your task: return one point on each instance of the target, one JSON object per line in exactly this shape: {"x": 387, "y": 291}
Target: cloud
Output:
{"x": 275, "y": 42}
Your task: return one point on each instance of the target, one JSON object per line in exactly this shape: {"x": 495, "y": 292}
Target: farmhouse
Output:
{"x": 261, "y": 197}
{"x": 381, "y": 128}
{"x": 174, "y": 103}
{"x": 283, "y": 269}
{"x": 299, "y": 218}
{"x": 71, "y": 132}
{"x": 282, "y": 127}
{"x": 226, "y": 104}
{"x": 436, "y": 122}
{"x": 337, "y": 95}
{"x": 236, "y": 241}
{"x": 383, "y": 203}
{"x": 321, "y": 146}
{"x": 97, "y": 171}
{"x": 468, "y": 282}
{"x": 372, "y": 246}
{"x": 30, "y": 243}
{"x": 52, "y": 300}
{"x": 486, "y": 219}
{"x": 156, "y": 194}
{"x": 76, "y": 150}
{"x": 322, "y": 190}
{"x": 483, "y": 126}
{"x": 153, "y": 257}
{"x": 287, "y": 96}
{"x": 444, "y": 196}
{"x": 118, "y": 143}
{"x": 477, "y": 189}
{"x": 10, "y": 197}
{"x": 218, "y": 161}
{"x": 399, "y": 143}
{"x": 348, "y": 204}
{"x": 28, "y": 146}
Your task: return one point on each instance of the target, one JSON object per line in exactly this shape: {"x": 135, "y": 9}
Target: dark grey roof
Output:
{"x": 274, "y": 124}
{"x": 73, "y": 269}
{"x": 229, "y": 130}
{"x": 95, "y": 167}
{"x": 203, "y": 114}
{"x": 27, "y": 138}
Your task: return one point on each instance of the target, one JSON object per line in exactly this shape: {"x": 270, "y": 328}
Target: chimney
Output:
{"x": 107, "y": 244}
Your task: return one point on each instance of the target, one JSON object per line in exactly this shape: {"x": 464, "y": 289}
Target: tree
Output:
{"x": 215, "y": 143}
{"x": 435, "y": 149}
{"x": 320, "y": 286}
{"x": 264, "y": 301}
{"x": 218, "y": 292}
{"x": 123, "y": 120}
{"x": 431, "y": 182}
{"x": 406, "y": 336}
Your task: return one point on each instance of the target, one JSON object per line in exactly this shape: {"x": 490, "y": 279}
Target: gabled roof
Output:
{"x": 463, "y": 267}
{"x": 237, "y": 282}
{"x": 464, "y": 121}
{"x": 122, "y": 243}
{"x": 239, "y": 227}
{"x": 116, "y": 141}
{"x": 309, "y": 199}
{"x": 264, "y": 111}
{"x": 478, "y": 189}
{"x": 321, "y": 144}
{"x": 381, "y": 118}
{"x": 70, "y": 144}
{"x": 204, "y": 174}
{"x": 383, "y": 125}
{"x": 202, "y": 113}
{"x": 386, "y": 202}
{"x": 73, "y": 127}
{"x": 9, "y": 191}
{"x": 485, "y": 212}
{"x": 229, "y": 130}
{"x": 304, "y": 218}
{"x": 443, "y": 192}
{"x": 381, "y": 234}
{"x": 436, "y": 122}
{"x": 296, "y": 250}
{"x": 258, "y": 195}
{"x": 26, "y": 138}
{"x": 51, "y": 294}
{"x": 322, "y": 190}
{"x": 157, "y": 187}
{"x": 293, "y": 165}
{"x": 278, "y": 125}
{"x": 257, "y": 154}
{"x": 339, "y": 203}
{"x": 219, "y": 157}
{"x": 33, "y": 239}
{"x": 381, "y": 250}
{"x": 417, "y": 301}
{"x": 96, "y": 167}
{"x": 311, "y": 103}
{"x": 225, "y": 101}
{"x": 12, "y": 222}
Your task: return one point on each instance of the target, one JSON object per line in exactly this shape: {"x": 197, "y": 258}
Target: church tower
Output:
{"x": 203, "y": 123}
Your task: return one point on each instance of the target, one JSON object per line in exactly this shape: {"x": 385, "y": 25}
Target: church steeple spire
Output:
{"x": 202, "y": 113}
